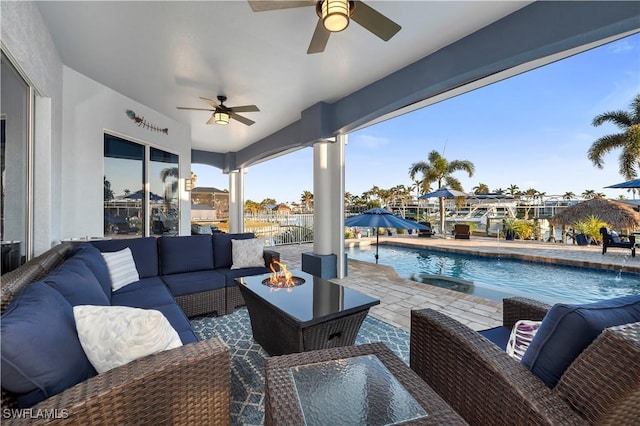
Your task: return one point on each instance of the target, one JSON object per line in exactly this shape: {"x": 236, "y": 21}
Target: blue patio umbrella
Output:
{"x": 381, "y": 218}
{"x": 635, "y": 183}
{"x": 443, "y": 192}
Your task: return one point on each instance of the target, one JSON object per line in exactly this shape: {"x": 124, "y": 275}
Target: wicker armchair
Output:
{"x": 486, "y": 386}
{"x": 186, "y": 385}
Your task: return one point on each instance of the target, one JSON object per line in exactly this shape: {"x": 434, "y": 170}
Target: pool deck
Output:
{"x": 399, "y": 296}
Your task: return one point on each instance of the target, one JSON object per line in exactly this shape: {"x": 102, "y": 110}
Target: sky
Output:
{"x": 532, "y": 130}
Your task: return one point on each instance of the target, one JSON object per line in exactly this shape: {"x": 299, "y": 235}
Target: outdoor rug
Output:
{"x": 247, "y": 366}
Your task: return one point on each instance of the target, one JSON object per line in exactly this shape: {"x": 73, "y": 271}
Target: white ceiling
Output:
{"x": 167, "y": 54}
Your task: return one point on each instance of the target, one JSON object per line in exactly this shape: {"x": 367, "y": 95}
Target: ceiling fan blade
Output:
{"x": 319, "y": 39}
{"x": 242, "y": 119}
{"x": 211, "y": 120}
{"x": 264, "y": 5}
{"x": 245, "y": 108}
{"x": 196, "y": 109}
{"x": 211, "y": 102}
{"x": 374, "y": 21}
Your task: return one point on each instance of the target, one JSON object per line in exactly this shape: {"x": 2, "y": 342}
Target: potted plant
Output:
{"x": 508, "y": 228}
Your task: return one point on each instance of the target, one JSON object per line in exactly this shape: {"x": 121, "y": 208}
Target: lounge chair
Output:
{"x": 426, "y": 232}
{"x": 486, "y": 386}
{"x": 461, "y": 231}
{"x": 611, "y": 239}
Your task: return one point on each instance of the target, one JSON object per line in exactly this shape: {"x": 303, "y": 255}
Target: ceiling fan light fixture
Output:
{"x": 221, "y": 117}
{"x": 335, "y": 15}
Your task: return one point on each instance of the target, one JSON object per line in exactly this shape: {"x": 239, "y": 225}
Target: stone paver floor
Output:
{"x": 399, "y": 296}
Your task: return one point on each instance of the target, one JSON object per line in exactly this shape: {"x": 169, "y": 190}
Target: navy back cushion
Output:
{"x": 91, "y": 257}
{"x": 222, "y": 257}
{"x": 567, "y": 330}
{"x": 75, "y": 281}
{"x": 185, "y": 254}
{"x": 144, "y": 250}
{"x": 41, "y": 353}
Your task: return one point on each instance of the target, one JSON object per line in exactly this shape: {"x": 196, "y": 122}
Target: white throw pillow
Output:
{"x": 247, "y": 253}
{"x": 122, "y": 268}
{"x": 521, "y": 337}
{"x": 112, "y": 336}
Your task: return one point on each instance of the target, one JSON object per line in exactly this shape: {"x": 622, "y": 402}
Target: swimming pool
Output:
{"x": 495, "y": 278}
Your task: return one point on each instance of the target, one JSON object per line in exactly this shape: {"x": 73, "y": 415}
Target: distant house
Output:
{"x": 283, "y": 208}
{"x": 217, "y": 199}
{"x": 203, "y": 212}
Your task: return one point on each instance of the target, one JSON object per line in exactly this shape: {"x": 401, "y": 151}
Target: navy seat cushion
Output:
{"x": 185, "y": 254}
{"x": 144, "y": 250}
{"x": 41, "y": 353}
{"x": 143, "y": 283}
{"x": 144, "y": 298}
{"x": 568, "y": 329}
{"x": 232, "y": 274}
{"x": 178, "y": 321}
{"x": 498, "y": 335}
{"x": 222, "y": 257}
{"x": 91, "y": 257}
{"x": 75, "y": 281}
{"x": 194, "y": 282}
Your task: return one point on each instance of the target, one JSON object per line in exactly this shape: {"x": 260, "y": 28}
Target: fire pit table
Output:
{"x": 310, "y": 313}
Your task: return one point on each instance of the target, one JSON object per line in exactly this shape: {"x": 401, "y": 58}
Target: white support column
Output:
{"x": 322, "y": 234}
{"x": 236, "y": 201}
{"x": 337, "y": 166}
{"x": 327, "y": 259}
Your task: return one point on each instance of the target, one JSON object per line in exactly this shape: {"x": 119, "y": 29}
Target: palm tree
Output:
{"x": 170, "y": 173}
{"x": 482, "y": 188}
{"x": 307, "y": 199}
{"x": 439, "y": 169}
{"x": 108, "y": 192}
{"x": 628, "y": 140}
{"x": 513, "y": 190}
{"x": 568, "y": 195}
{"x": 589, "y": 194}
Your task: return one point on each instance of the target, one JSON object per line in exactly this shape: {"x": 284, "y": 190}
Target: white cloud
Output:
{"x": 621, "y": 46}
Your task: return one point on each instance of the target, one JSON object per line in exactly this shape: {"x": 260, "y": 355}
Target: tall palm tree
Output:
{"x": 108, "y": 192}
{"x": 628, "y": 139}
{"x": 589, "y": 194}
{"x": 439, "y": 169}
{"x": 169, "y": 174}
{"x": 481, "y": 188}
{"x": 307, "y": 199}
{"x": 568, "y": 195}
{"x": 513, "y": 190}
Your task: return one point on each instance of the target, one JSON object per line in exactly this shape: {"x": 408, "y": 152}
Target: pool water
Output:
{"x": 495, "y": 278}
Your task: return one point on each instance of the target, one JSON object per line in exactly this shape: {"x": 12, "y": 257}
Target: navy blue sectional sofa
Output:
{"x": 179, "y": 276}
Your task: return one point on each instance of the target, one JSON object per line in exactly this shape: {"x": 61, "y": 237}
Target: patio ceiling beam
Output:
{"x": 539, "y": 30}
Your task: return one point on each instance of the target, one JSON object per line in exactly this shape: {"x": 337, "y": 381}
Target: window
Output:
{"x": 15, "y": 152}
{"x": 129, "y": 209}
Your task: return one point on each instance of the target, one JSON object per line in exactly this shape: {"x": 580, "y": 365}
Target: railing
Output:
{"x": 280, "y": 229}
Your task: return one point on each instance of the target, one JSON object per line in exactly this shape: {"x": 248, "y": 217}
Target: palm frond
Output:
{"x": 622, "y": 119}
{"x": 603, "y": 146}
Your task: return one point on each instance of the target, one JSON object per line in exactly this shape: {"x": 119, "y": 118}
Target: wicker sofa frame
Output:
{"x": 186, "y": 385}
{"x": 486, "y": 386}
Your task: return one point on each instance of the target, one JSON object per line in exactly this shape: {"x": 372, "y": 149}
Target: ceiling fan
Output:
{"x": 222, "y": 113}
{"x": 334, "y": 17}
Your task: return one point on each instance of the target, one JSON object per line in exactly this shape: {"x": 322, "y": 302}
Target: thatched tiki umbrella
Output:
{"x": 615, "y": 213}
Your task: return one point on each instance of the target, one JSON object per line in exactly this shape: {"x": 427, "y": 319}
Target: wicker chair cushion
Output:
{"x": 568, "y": 329}
{"x": 179, "y": 322}
{"x": 91, "y": 257}
{"x": 247, "y": 253}
{"x": 144, "y": 250}
{"x": 498, "y": 335}
{"x": 75, "y": 281}
{"x": 185, "y": 254}
{"x": 41, "y": 353}
{"x": 122, "y": 268}
{"x": 145, "y": 298}
{"x": 112, "y": 336}
{"x": 222, "y": 257}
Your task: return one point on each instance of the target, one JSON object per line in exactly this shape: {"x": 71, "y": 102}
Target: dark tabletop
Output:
{"x": 314, "y": 301}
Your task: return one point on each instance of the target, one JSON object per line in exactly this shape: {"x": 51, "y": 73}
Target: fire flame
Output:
{"x": 281, "y": 278}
